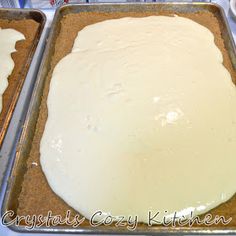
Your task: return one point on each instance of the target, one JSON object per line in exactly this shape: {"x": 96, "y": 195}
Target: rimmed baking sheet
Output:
{"x": 28, "y": 192}
{"x": 30, "y": 23}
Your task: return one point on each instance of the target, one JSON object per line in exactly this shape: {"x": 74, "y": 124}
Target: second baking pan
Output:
{"x": 28, "y": 192}
{"x": 31, "y": 24}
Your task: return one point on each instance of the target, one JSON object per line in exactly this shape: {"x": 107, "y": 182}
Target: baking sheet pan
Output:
{"x": 20, "y": 14}
{"x": 24, "y": 146}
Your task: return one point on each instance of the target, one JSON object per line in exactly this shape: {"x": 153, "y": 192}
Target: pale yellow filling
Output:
{"x": 8, "y": 39}
{"x": 142, "y": 116}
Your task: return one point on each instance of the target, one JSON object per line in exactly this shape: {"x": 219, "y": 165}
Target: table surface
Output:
{"x": 23, "y": 102}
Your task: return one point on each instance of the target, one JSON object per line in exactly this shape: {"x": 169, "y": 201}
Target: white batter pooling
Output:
{"x": 141, "y": 117}
{"x": 8, "y": 39}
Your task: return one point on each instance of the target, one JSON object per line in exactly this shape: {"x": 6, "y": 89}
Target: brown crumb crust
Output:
{"x": 20, "y": 57}
{"x": 36, "y": 196}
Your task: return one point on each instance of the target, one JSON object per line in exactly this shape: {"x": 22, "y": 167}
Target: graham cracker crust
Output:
{"x": 30, "y": 30}
{"x": 36, "y": 196}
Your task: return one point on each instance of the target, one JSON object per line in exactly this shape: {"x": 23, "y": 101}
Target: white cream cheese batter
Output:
{"x": 8, "y": 39}
{"x": 142, "y": 116}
